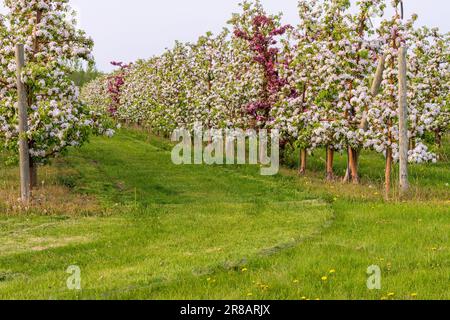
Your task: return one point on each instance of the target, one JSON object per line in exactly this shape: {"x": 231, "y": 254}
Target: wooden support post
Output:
{"x": 22, "y": 106}
{"x": 403, "y": 121}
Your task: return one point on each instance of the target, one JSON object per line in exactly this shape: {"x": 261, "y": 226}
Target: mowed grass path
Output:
{"x": 220, "y": 232}
{"x": 165, "y": 224}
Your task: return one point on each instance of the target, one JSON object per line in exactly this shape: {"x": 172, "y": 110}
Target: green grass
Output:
{"x": 143, "y": 228}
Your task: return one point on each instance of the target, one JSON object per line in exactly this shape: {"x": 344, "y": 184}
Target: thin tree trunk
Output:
{"x": 330, "y": 160}
{"x": 348, "y": 174}
{"x": 388, "y": 172}
{"x": 282, "y": 153}
{"x": 353, "y": 164}
{"x": 412, "y": 144}
{"x": 438, "y": 138}
{"x": 303, "y": 159}
{"x": 33, "y": 174}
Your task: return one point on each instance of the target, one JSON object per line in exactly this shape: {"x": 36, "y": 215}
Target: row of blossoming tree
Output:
{"x": 312, "y": 82}
{"x": 57, "y": 119}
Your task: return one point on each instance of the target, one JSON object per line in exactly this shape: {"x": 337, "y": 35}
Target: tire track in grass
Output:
{"x": 224, "y": 266}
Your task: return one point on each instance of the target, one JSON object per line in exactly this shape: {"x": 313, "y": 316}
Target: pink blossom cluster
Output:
{"x": 115, "y": 84}
{"x": 262, "y": 42}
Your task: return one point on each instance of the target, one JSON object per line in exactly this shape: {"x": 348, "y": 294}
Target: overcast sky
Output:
{"x": 125, "y": 30}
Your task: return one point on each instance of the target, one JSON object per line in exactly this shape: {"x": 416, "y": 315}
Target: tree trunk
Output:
{"x": 330, "y": 159}
{"x": 353, "y": 164}
{"x": 303, "y": 158}
{"x": 388, "y": 172}
{"x": 348, "y": 172}
{"x": 33, "y": 174}
{"x": 438, "y": 138}
{"x": 412, "y": 144}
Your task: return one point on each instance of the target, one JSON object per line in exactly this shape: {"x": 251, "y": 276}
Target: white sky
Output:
{"x": 132, "y": 29}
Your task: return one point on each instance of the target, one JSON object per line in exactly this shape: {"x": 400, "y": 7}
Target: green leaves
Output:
{"x": 363, "y": 53}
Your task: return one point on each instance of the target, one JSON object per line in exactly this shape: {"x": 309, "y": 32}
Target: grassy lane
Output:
{"x": 142, "y": 228}
{"x": 157, "y": 223}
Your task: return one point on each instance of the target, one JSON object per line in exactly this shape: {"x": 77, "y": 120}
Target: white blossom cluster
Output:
{"x": 56, "y": 117}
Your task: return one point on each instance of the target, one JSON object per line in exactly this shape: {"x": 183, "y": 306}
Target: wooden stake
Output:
{"x": 22, "y": 106}
{"x": 403, "y": 122}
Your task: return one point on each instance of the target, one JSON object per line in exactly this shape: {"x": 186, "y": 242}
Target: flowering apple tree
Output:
{"x": 56, "y": 117}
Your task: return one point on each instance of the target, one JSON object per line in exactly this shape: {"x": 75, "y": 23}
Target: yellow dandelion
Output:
{"x": 391, "y": 294}
{"x": 303, "y": 298}
{"x": 324, "y": 278}
{"x": 244, "y": 270}
{"x": 414, "y": 295}
{"x": 296, "y": 281}
{"x": 249, "y": 294}
{"x": 332, "y": 271}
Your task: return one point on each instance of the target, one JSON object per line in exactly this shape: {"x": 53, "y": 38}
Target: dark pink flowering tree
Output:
{"x": 115, "y": 83}
{"x": 260, "y": 34}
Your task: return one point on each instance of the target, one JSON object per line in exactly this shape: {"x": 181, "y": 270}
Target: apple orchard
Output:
{"x": 311, "y": 81}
